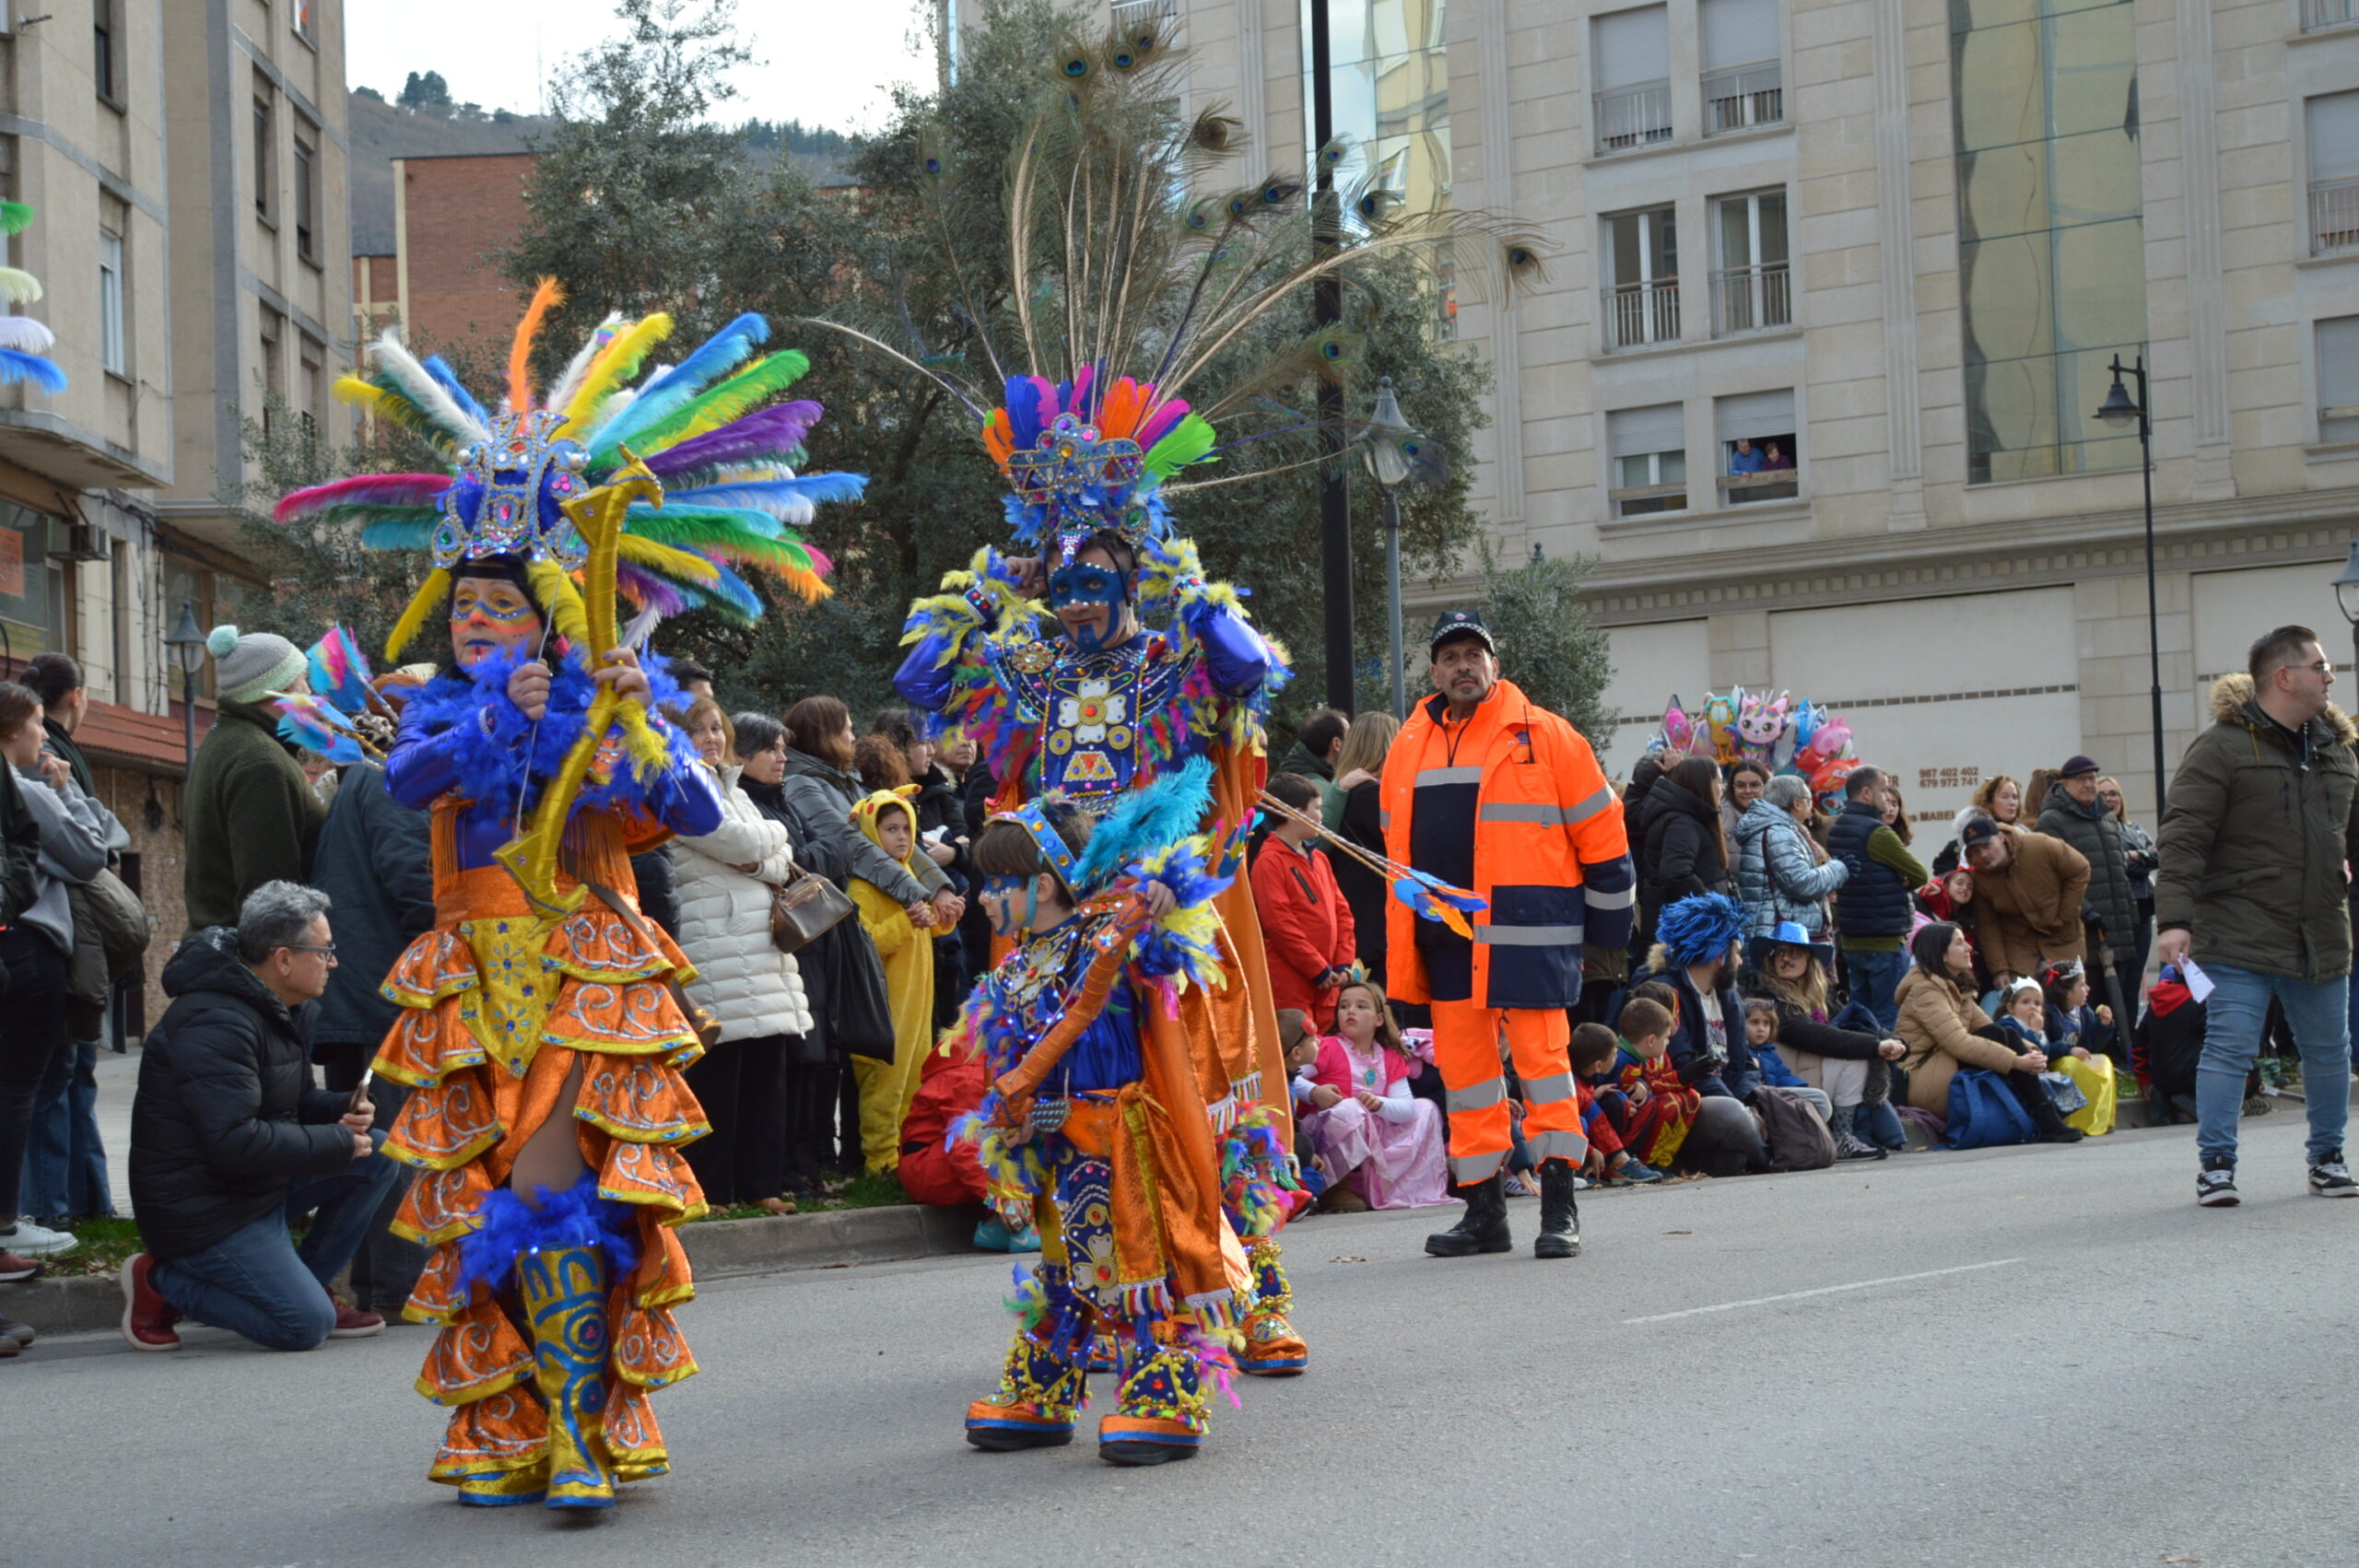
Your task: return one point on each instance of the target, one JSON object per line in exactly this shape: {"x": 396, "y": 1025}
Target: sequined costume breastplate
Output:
{"x": 1089, "y": 710}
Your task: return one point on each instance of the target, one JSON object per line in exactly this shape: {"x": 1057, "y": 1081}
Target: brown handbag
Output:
{"x": 806, "y": 909}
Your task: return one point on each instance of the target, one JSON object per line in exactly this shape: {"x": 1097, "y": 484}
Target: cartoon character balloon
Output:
{"x": 1760, "y": 720}
{"x": 1720, "y": 721}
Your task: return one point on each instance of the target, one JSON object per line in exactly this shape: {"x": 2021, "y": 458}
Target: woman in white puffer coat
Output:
{"x": 750, "y": 988}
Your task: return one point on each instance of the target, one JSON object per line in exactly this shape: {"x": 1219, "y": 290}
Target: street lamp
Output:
{"x": 2346, "y": 594}
{"x": 2117, "y": 410}
{"x": 1386, "y": 430}
{"x": 186, "y": 646}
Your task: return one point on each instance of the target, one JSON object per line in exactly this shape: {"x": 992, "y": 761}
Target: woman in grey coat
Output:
{"x": 821, "y": 790}
{"x": 1780, "y": 875}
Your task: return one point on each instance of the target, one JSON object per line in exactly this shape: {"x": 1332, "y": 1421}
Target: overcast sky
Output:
{"x": 823, "y": 62}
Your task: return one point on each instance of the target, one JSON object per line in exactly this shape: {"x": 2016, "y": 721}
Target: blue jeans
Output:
{"x": 259, "y": 1284}
{"x": 1875, "y": 981}
{"x": 2318, "y": 1011}
{"x": 66, "y": 1162}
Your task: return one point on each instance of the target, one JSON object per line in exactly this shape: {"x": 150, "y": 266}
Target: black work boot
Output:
{"x": 1483, "y": 1226}
{"x": 1560, "y": 1219}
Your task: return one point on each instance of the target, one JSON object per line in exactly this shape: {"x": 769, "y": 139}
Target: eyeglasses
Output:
{"x": 2323, "y": 667}
{"x": 326, "y": 950}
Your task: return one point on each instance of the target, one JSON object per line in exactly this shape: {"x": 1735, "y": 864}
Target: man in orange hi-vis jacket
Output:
{"x": 1487, "y": 790}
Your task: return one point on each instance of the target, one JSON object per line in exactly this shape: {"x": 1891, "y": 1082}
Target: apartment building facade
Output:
{"x": 1833, "y": 291}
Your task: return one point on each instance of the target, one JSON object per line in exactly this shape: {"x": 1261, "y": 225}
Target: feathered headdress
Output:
{"x": 24, "y": 343}
{"x": 706, "y": 427}
{"x": 1123, "y": 286}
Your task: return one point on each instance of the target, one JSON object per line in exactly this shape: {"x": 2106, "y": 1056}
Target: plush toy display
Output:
{"x": 1784, "y": 734}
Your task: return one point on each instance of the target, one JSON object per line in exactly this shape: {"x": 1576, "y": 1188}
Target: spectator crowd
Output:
{"x": 1802, "y": 980}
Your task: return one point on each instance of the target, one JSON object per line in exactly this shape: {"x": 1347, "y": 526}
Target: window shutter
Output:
{"x": 1738, "y": 32}
{"x": 1634, "y": 46}
{"x": 1633, "y": 432}
{"x": 2334, "y": 136}
{"x": 2338, "y": 348}
{"x": 1755, "y": 415}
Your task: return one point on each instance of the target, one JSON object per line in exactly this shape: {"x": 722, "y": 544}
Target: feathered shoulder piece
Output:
{"x": 708, "y": 428}
{"x": 499, "y": 755}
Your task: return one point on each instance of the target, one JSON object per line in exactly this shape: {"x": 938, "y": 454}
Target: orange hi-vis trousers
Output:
{"x": 1467, "y": 1038}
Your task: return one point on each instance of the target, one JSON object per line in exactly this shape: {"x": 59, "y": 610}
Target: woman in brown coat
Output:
{"x": 1943, "y": 1027}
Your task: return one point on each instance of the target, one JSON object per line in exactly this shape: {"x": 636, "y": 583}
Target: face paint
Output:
{"x": 490, "y": 615}
{"x": 1089, "y": 600}
{"x": 998, "y": 901}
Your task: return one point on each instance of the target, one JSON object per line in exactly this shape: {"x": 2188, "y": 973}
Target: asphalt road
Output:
{"x": 2044, "y": 1356}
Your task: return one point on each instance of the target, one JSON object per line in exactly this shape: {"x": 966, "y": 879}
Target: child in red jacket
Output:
{"x": 1305, "y": 926}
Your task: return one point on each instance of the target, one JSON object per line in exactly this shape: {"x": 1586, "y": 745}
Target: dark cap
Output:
{"x": 1981, "y": 830}
{"x": 1460, "y": 623}
{"x": 2076, "y": 765}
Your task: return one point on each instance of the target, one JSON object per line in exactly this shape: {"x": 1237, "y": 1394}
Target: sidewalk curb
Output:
{"x": 718, "y": 1249}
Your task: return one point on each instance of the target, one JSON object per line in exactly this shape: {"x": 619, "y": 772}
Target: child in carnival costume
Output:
{"x": 541, "y": 1031}
{"x": 1094, "y": 1129}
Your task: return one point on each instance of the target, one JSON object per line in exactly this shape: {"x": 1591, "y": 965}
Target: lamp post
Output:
{"x": 1390, "y": 465}
{"x": 186, "y": 646}
{"x": 1327, "y": 309}
{"x": 2346, "y": 594}
{"x": 2118, "y": 409}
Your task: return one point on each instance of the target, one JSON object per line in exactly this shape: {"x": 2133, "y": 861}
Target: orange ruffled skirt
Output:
{"x": 498, "y": 1005}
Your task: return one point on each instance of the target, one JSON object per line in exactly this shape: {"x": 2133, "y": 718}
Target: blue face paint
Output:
{"x": 998, "y": 893}
{"x": 1081, "y": 586}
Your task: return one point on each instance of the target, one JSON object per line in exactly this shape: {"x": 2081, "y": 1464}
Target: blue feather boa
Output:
{"x": 507, "y": 1227}
{"x": 516, "y": 752}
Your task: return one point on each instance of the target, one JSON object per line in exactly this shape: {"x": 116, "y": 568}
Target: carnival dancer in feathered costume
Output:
{"x": 1093, "y": 656}
{"x": 542, "y": 1030}
{"x": 1094, "y": 1130}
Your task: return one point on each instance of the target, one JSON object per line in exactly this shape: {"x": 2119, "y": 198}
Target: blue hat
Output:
{"x": 1789, "y": 933}
{"x": 1700, "y": 928}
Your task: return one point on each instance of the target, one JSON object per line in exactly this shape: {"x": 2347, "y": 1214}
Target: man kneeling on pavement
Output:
{"x": 231, "y": 1141}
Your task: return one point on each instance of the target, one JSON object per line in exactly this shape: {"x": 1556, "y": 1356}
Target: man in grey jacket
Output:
{"x": 2262, "y": 817}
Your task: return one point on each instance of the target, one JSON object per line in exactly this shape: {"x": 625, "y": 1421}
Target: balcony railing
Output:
{"x": 1641, "y": 313}
{"x": 1741, "y": 96}
{"x": 2334, "y": 215}
{"x": 1771, "y": 485}
{"x": 1752, "y": 300}
{"x": 2317, "y": 13}
{"x": 1633, "y": 116}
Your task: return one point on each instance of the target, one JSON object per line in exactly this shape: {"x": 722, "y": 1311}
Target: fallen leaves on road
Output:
{"x": 2181, "y": 1557}
{"x": 1679, "y": 1233}
{"x": 1346, "y": 1258}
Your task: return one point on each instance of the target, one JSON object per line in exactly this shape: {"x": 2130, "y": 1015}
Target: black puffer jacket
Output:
{"x": 1680, "y": 853}
{"x": 376, "y": 863}
{"x": 226, "y": 1116}
{"x": 2113, "y": 894}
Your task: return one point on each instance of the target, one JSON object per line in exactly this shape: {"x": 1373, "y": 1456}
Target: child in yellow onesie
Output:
{"x": 890, "y": 820}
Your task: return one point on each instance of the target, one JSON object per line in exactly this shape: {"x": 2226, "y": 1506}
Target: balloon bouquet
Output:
{"x": 1786, "y": 737}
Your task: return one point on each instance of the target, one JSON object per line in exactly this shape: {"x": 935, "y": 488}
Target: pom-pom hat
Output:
{"x": 250, "y": 667}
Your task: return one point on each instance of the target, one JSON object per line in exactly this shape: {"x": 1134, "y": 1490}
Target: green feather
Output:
{"x": 733, "y": 399}
{"x": 1188, "y": 441}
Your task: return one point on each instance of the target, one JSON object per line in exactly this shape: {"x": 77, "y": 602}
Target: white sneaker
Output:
{"x": 30, "y": 1240}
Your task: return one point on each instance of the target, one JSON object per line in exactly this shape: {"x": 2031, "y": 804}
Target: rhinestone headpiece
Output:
{"x": 509, "y": 492}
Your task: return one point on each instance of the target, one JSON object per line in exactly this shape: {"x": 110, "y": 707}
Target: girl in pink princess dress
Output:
{"x": 1370, "y": 1133}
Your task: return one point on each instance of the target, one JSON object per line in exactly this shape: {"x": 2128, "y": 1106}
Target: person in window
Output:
{"x": 1779, "y": 459}
{"x": 1746, "y": 459}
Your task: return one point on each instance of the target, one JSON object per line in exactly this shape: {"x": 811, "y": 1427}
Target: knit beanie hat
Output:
{"x": 248, "y": 667}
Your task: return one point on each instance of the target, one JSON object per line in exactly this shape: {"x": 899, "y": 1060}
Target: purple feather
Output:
{"x": 1161, "y": 423}
{"x": 776, "y": 429}
{"x": 367, "y": 489}
{"x": 649, "y": 591}
{"x": 1031, "y": 405}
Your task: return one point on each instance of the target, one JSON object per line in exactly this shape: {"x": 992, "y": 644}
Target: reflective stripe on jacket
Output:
{"x": 1551, "y": 858}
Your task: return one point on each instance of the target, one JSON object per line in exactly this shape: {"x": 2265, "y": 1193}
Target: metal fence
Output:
{"x": 1641, "y": 313}
{"x": 1758, "y": 299}
{"x": 2334, "y": 215}
{"x": 1633, "y": 116}
{"x": 1740, "y": 97}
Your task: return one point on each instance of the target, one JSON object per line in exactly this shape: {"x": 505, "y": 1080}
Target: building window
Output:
{"x": 1649, "y": 450}
{"x": 306, "y": 190}
{"x": 1389, "y": 89}
{"x": 1751, "y": 289}
{"x": 2333, "y": 126}
{"x": 265, "y": 156}
{"x": 2051, "y": 231}
{"x": 1742, "y": 87}
{"x": 1632, "y": 51}
{"x": 32, "y": 587}
{"x": 311, "y": 409}
{"x": 1760, "y": 460}
{"x": 2317, "y": 13}
{"x": 114, "y": 352}
{"x": 103, "y": 65}
{"x": 2338, "y": 362}
{"x": 1642, "y": 299}
{"x": 274, "y": 373}
{"x": 302, "y": 18}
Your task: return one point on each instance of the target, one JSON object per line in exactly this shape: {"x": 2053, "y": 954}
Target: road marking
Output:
{"x": 1822, "y": 1291}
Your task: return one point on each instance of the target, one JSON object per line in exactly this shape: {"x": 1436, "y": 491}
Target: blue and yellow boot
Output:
{"x": 564, "y": 1293}
{"x": 1273, "y": 1349}
{"x": 1038, "y": 1395}
{"x": 506, "y": 1488}
{"x": 1162, "y": 1414}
